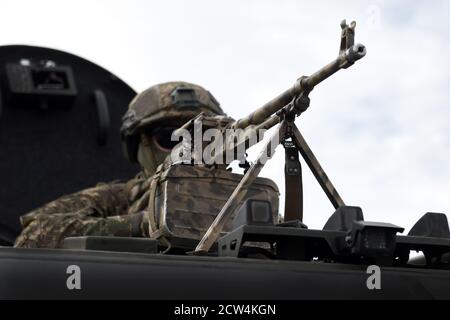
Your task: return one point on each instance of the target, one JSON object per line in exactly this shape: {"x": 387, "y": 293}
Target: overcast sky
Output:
{"x": 380, "y": 129}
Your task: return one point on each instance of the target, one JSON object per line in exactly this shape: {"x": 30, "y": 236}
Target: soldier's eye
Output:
{"x": 162, "y": 137}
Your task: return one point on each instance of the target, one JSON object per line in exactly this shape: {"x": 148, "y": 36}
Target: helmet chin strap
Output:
{"x": 149, "y": 156}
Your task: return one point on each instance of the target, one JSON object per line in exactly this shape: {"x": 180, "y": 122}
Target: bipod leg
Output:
{"x": 316, "y": 168}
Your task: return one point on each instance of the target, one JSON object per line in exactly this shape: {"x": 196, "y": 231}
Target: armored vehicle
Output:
{"x": 59, "y": 122}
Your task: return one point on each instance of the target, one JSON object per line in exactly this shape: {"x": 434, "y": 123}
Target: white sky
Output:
{"x": 380, "y": 129}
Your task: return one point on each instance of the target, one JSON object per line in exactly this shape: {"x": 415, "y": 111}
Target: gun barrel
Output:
{"x": 343, "y": 61}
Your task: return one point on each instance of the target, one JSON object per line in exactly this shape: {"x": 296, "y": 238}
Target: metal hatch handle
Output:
{"x": 103, "y": 118}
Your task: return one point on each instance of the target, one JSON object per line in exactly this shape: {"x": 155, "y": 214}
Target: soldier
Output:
{"x": 117, "y": 208}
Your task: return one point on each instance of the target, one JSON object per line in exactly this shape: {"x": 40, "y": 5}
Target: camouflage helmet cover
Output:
{"x": 168, "y": 101}
{"x": 162, "y": 104}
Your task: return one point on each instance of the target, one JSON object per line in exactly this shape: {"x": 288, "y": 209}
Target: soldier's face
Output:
{"x": 150, "y": 155}
{"x": 156, "y": 144}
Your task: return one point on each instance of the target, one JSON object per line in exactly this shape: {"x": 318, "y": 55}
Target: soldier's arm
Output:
{"x": 97, "y": 211}
{"x": 49, "y": 231}
{"x": 103, "y": 200}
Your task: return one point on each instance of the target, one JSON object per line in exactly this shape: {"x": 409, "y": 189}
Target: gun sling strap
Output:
{"x": 293, "y": 207}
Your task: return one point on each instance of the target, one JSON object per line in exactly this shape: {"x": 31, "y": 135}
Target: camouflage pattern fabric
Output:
{"x": 113, "y": 209}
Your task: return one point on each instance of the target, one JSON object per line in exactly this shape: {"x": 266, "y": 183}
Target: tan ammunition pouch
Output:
{"x": 184, "y": 200}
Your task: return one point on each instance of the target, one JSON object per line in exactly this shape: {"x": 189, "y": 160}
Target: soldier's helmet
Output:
{"x": 160, "y": 109}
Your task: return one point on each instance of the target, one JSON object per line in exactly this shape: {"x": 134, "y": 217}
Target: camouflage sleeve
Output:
{"x": 49, "y": 231}
{"x": 107, "y": 199}
{"x": 96, "y": 211}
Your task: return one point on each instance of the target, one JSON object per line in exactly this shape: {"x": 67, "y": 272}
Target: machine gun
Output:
{"x": 283, "y": 110}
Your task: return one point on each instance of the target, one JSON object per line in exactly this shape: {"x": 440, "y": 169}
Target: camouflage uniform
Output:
{"x": 104, "y": 210}
{"x": 117, "y": 208}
